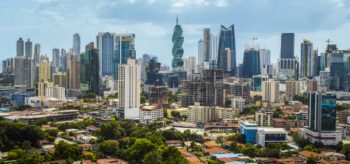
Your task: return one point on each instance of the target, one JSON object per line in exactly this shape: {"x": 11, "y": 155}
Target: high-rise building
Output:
{"x": 8, "y": 66}
{"x": 143, "y": 63}
{"x": 23, "y": 71}
{"x": 322, "y": 119}
{"x": 28, "y": 48}
{"x": 265, "y": 58}
{"x": 43, "y": 87}
{"x": 76, "y": 44}
{"x": 89, "y": 69}
{"x": 129, "y": 85}
{"x": 251, "y": 63}
{"x": 56, "y": 58}
{"x": 20, "y": 47}
{"x": 287, "y": 45}
{"x": 227, "y": 50}
{"x": 311, "y": 85}
{"x": 36, "y": 54}
{"x": 105, "y": 45}
{"x": 288, "y": 69}
{"x": 306, "y": 57}
{"x": 125, "y": 49}
{"x": 63, "y": 61}
{"x": 152, "y": 72}
{"x": 190, "y": 65}
{"x": 158, "y": 95}
{"x": 270, "y": 91}
{"x": 264, "y": 117}
{"x": 257, "y": 82}
{"x": 206, "y": 44}
{"x": 200, "y": 52}
{"x": 44, "y": 71}
{"x": 74, "y": 73}
{"x": 214, "y": 48}
{"x": 292, "y": 89}
{"x": 177, "y": 50}
{"x": 60, "y": 79}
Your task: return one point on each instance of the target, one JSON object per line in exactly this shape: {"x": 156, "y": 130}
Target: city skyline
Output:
{"x": 52, "y": 23}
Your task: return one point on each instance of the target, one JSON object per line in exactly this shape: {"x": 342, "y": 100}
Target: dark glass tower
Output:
{"x": 227, "y": 50}
{"x": 287, "y": 45}
{"x": 322, "y": 112}
{"x": 177, "y": 50}
{"x": 152, "y": 71}
{"x": 89, "y": 69}
{"x": 251, "y": 63}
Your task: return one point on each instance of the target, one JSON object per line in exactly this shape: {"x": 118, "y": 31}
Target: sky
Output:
{"x": 52, "y": 23}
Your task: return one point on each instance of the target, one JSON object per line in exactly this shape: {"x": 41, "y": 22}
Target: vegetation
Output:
{"x": 249, "y": 110}
{"x": 277, "y": 113}
{"x": 302, "y": 98}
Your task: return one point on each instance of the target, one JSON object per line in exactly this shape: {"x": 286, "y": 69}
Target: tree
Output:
{"x": 312, "y": 160}
{"x": 139, "y": 149}
{"x": 346, "y": 151}
{"x": 278, "y": 113}
{"x": 311, "y": 148}
{"x": 172, "y": 155}
{"x": 89, "y": 156}
{"x": 109, "y": 147}
{"x": 240, "y": 138}
{"x": 220, "y": 139}
{"x": 339, "y": 146}
{"x": 111, "y": 130}
{"x": 67, "y": 151}
{"x": 153, "y": 157}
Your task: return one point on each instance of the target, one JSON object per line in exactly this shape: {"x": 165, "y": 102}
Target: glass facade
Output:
{"x": 124, "y": 49}
{"x": 89, "y": 70}
{"x": 287, "y": 46}
{"x": 322, "y": 112}
{"x": 177, "y": 50}
{"x": 227, "y": 41}
{"x": 107, "y": 54}
{"x": 257, "y": 82}
{"x": 251, "y": 63}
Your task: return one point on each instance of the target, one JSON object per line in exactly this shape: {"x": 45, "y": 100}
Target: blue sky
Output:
{"x": 53, "y": 22}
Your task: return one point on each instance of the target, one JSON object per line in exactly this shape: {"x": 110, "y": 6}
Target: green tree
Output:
{"x": 312, "y": 160}
{"x": 278, "y": 113}
{"x": 109, "y": 147}
{"x": 89, "y": 156}
{"x": 111, "y": 130}
{"x": 346, "y": 151}
{"x": 139, "y": 149}
{"x": 153, "y": 157}
{"x": 67, "y": 151}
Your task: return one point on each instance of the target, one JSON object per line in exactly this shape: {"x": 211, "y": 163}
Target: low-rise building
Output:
{"x": 248, "y": 129}
{"x": 150, "y": 114}
{"x": 270, "y": 135}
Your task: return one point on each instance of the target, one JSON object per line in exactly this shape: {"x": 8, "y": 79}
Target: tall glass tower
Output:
{"x": 227, "y": 50}
{"x": 251, "y": 63}
{"x": 177, "y": 50}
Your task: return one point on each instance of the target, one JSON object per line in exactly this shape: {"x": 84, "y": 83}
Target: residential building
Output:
{"x": 20, "y": 47}
{"x": 158, "y": 95}
{"x": 56, "y": 58}
{"x": 311, "y": 85}
{"x": 270, "y": 91}
{"x": 36, "y": 54}
{"x": 150, "y": 114}
{"x": 23, "y": 71}
{"x": 56, "y": 92}
{"x": 238, "y": 103}
{"x": 307, "y": 60}
{"x": 265, "y": 58}
{"x": 129, "y": 85}
{"x": 74, "y": 73}
{"x": 264, "y": 117}
{"x": 60, "y": 79}
{"x": 44, "y": 71}
{"x": 292, "y": 89}
{"x": 28, "y": 49}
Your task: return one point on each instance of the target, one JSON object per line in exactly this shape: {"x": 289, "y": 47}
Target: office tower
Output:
{"x": 158, "y": 95}
{"x": 214, "y": 48}
{"x": 251, "y": 63}
{"x": 227, "y": 50}
{"x": 257, "y": 82}
{"x": 105, "y": 46}
{"x": 20, "y": 47}
{"x": 60, "y": 79}
{"x": 8, "y": 66}
{"x": 208, "y": 90}
{"x": 263, "y": 117}
{"x": 89, "y": 70}
{"x": 152, "y": 73}
{"x": 129, "y": 85}
{"x": 265, "y": 55}
{"x": 36, "y": 54}
{"x": 44, "y": 71}
{"x": 306, "y": 57}
{"x": 270, "y": 91}
{"x": 28, "y": 48}
{"x": 190, "y": 65}
{"x": 200, "y": 52}
{"x": 56, "y": 58}
{"x": 125, "y": 49}
{"x": 177, "y": 50}
{"x": 322, "y": 119}
{"x": 206, "y": 44}
{"x": 74, "y": 73}
{"x": 76, "y": 44}
{"x": 63, "y": 61}
{"x": 287, "y": 45}
{"x": 143, "y": 63}
{"x": 288, "y": 69}
{"x": 292, "y": 89}
{"x": 23, "y": 71}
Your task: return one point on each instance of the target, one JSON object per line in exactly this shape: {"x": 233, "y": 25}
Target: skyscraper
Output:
{"x": 23, "y": 71}
{"x": 76, "y": 44}
{"x": 125, "y": 49}
{"x": 322, "y": 119}
{"x": 36, "y": 54}
{"x": 74, "y": 73}
{"x": 44, "y": 71}
{"x": 63, "y": 61}
{"x": 287, "y": 45}
{"x": 306, "y": 57}
{"x": 265, "y": 58}
{"x": 89, "y": 69}
{"x": 152, "y": 71}
{"x": 129, "y": 85}
{"x": 251, "y": 63}
{"x": 270, "y": 91}
{"x": 105, "y": 45}
{"x": 60, "y": 79}
{"x": 190, "y": 65}
{"x": 227, "y": 42}
{"x": 28, "y": 48}
{"x": 56, "y": 58}
{"x": 206, "y": 44}
{"x": 20, "y": 47}
{"x": 177, "y": 50}
{"x": 200, "y": 52}
{"x": 292, "y": 89}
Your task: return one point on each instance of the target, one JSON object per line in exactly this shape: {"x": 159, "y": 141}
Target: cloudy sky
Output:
{"x": 53, "y": 22}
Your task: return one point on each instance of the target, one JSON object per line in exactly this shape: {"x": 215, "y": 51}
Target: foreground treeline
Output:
{"x": 123, "y": 139}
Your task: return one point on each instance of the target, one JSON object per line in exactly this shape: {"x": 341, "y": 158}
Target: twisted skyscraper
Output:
{"x": 177, "y": 51}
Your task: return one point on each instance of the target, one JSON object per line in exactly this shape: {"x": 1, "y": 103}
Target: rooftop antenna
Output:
{"x": 328, "y": 41}
{"x": 254, "y": 38}
{"x": 177, "y": 19}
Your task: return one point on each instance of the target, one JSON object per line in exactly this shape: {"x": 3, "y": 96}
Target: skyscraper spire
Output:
{"x": 177, "y": 20}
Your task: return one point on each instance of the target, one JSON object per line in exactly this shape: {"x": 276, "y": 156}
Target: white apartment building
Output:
{"x": 150, "y": 114}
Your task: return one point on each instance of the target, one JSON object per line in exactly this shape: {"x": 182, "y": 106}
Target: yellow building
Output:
{"x": 44, "y": 71}
{"x": 60, "y": 79}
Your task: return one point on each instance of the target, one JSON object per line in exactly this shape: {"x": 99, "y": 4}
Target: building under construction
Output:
{"x": 158, "y": 95}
